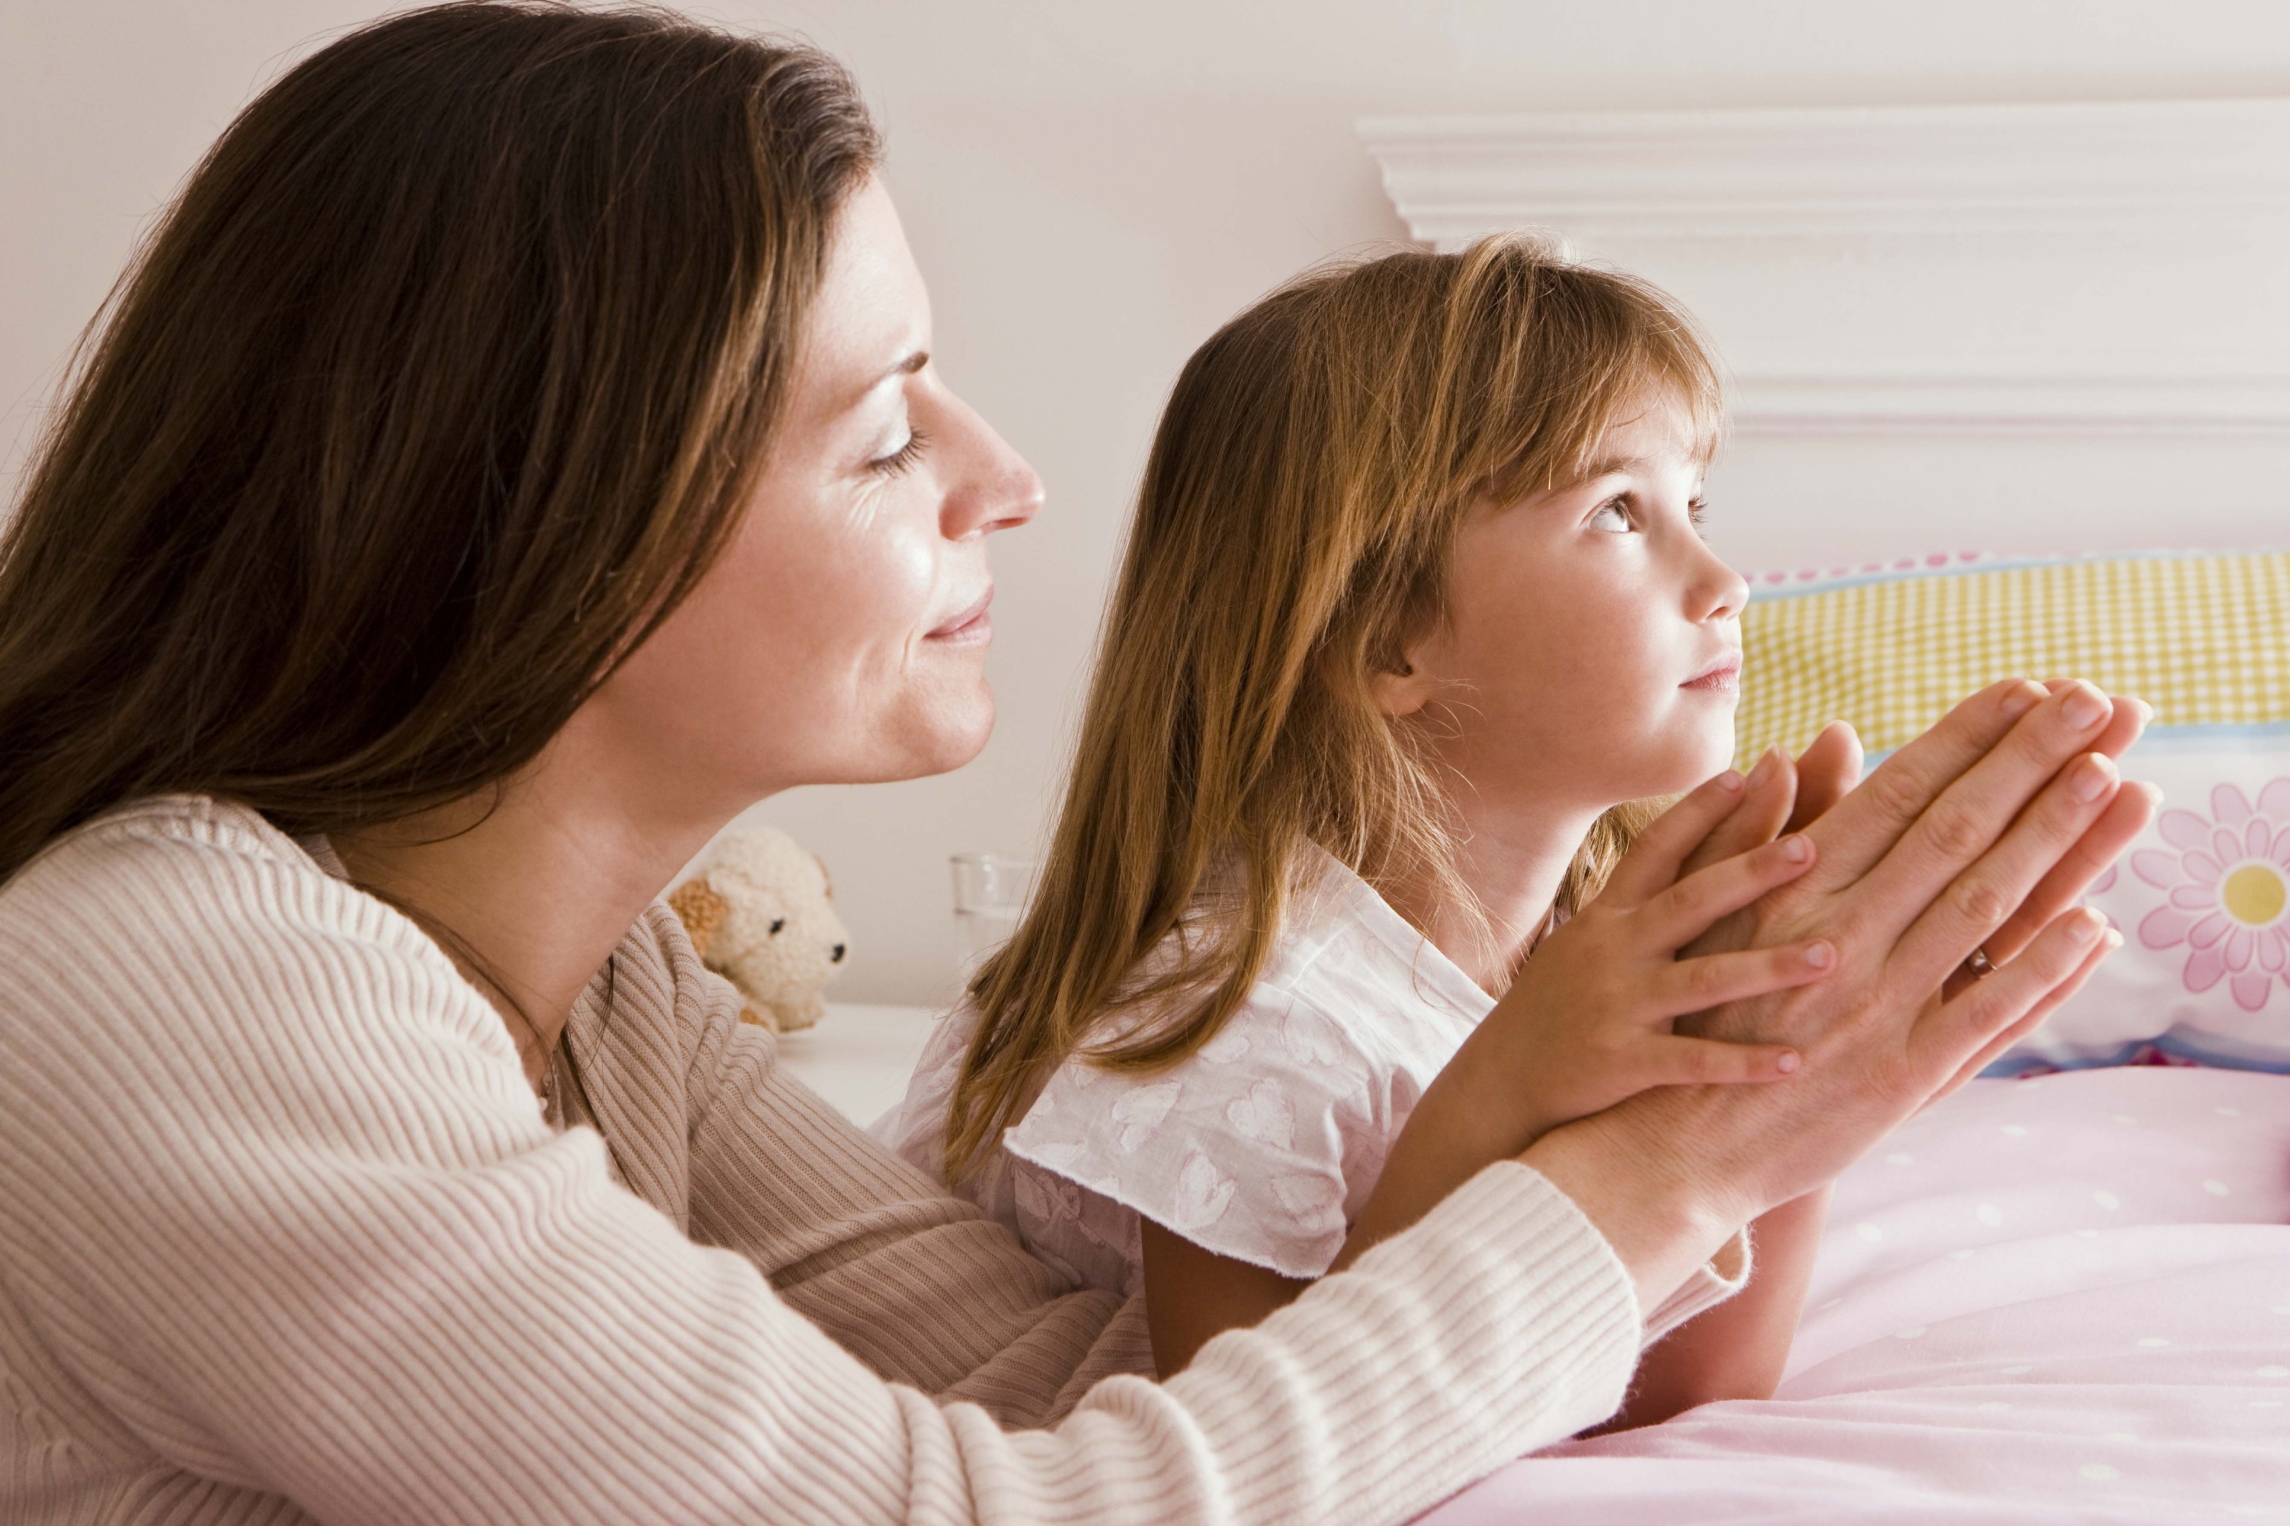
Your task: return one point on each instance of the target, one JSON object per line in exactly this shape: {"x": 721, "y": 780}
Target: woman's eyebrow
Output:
{"x": 906, "y": 367}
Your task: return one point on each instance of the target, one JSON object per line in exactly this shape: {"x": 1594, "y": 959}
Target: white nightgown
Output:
{"x": 1265, "y": 1144}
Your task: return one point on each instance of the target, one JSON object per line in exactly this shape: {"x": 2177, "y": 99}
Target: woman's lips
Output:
{"x": 971, "y": 627}
{"x": 1723, "y": 678}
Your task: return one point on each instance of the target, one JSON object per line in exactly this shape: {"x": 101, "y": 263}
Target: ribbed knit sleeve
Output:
{"x": 283, "y": 1233}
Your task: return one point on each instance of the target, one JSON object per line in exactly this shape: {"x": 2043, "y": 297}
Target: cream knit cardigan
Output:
{"x": 284, "y": 1236}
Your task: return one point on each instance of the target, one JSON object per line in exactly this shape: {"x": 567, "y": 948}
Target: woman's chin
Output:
{"x": 942, "y": 738}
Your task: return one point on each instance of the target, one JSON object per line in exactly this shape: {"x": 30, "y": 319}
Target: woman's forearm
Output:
{"x": 1737, "y": 1350}
{"x": 1662, "y": 1213}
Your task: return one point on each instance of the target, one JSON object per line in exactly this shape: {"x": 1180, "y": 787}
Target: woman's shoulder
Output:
{"x": 145, "y": 876}
{"x": 197, "y": 919}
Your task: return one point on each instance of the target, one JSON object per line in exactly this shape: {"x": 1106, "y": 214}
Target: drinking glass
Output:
{"x": 989, "y": 896}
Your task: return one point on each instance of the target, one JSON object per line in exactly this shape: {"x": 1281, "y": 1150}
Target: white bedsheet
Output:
{"x": 2062, "y": 1299}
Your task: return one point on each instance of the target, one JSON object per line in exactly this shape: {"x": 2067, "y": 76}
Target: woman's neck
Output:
{"x": 1513, "y": 863}
{"x": 529, "y": 893}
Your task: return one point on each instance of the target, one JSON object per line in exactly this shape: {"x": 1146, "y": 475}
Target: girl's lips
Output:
{"x": 1725, "y": 677}
{"x": 972, "y": 626}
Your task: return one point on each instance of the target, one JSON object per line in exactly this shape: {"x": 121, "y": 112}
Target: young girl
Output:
{"x": 1415, "y": 606}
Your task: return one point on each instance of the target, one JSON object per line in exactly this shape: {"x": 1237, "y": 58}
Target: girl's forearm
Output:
{"x": 1449, "y": 1139}
{"x": 1737, "y": 1350}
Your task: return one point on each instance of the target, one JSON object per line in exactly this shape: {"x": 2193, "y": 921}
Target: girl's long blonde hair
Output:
{"x": 1291, "y": 541}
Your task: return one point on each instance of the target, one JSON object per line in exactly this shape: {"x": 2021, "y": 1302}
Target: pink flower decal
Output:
{"x": 2227, "y": 881}
{"x": 2100, "y": 887}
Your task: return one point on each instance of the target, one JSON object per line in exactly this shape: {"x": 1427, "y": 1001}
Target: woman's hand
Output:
{"x": 1933, "y": 857}
{"x": 1790, "y": 795}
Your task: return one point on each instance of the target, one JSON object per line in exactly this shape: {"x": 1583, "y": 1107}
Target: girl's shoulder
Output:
{"x": 1346, "y": 954}
{"x": 1264, "y": 1143}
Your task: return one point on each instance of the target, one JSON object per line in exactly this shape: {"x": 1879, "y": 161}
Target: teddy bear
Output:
{"x": 761, "y": 913}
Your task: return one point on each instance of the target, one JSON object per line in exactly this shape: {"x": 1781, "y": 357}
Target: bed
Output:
{"x": 2065, "y": 1298}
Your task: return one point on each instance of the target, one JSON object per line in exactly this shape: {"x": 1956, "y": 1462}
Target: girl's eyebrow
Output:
{"x": 1616, "y": 466}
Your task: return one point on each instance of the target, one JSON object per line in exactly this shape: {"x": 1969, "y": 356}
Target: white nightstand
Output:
{"x": 859, "y": 1057}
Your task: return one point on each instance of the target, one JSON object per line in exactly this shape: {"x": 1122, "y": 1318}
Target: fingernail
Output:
{"x": 2146, "y": 711}
{"x": 1763, "y": 770}
{"x": 2083, "y": 707}
{"x": 2088, "y": 925}
{"x": 2154, "y": 791}
{"x": 2093, "y": 773}
{"x": 1820, "y": 956}
{"x": 1787, "y": 1062}
{"x": 2023, "y": 699}
{"x": 1795, "y": 848}
{"x": 1729, "y": 781}
{"x": 2114, "y": 939}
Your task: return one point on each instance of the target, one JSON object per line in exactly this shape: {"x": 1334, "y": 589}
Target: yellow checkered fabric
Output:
{"x": 2205, "y": 639}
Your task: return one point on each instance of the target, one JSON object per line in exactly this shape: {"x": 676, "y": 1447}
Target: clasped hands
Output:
{"x": 1830, "y": 960}
{"x": 1773, "y": 977}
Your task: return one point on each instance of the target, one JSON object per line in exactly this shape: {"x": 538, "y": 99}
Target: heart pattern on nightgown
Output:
{"x": 1264, "y": 1114}
{"x": 1203, "y": 1194}
{"x": 1140, "y": 1111}
{"x": 1311, "y": 1038}
{"x": 1225, "y": 1048}
{"x": 1308, "y": 1197}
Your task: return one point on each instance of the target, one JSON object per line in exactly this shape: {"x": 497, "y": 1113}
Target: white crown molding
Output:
{"x": 1615, "y": 178}
{"x": 2071, "y": 406}
{"x": 1938, "y": 270}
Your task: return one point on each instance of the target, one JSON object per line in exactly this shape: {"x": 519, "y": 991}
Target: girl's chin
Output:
{"x": 1711, "y": 754}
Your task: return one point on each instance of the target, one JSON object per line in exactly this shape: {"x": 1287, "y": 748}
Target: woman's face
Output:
{"x": 842, "y": 635}
{"x": 1592, "y": 649}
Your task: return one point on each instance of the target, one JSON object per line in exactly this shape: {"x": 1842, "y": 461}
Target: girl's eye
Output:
{"x": 900, "y": 460}
{"x": 1611, "y": 518}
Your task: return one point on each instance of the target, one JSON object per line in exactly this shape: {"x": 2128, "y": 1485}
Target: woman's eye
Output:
{"x": 901, "y": 459}
{"x": 1610, "y": 517}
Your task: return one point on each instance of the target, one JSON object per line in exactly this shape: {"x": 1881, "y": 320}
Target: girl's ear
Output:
{"x": 1402, "y": 692}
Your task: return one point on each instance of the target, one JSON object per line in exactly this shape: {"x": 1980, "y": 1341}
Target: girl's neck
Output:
{"x": 1513, "y": 863}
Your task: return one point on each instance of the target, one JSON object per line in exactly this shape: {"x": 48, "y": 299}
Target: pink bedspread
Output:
{"x": 2063, "y": 1299}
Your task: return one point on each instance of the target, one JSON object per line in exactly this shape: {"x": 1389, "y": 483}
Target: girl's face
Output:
{"x": 1592, "y": 648}
{"x": 841, "y": 637}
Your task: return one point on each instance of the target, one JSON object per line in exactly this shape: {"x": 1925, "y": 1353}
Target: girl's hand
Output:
{"x": 1587, "y": 1023}
{"x": 1589, "y": 1020}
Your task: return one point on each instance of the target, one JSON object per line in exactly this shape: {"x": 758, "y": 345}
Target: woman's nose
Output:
{"x": 996, "y": 489}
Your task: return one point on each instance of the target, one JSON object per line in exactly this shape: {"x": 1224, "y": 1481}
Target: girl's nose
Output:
{"x": 1717, "y": 592}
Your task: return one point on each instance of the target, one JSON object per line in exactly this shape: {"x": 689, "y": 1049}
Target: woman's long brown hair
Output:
{"x": 436, "y": 389}
{"x": 1291, "y": 540}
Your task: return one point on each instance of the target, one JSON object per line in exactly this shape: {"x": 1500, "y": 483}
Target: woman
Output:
{"x": 517, "y": 453}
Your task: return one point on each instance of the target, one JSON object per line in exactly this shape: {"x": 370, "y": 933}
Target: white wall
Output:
{"x": 1093, "y": 187}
